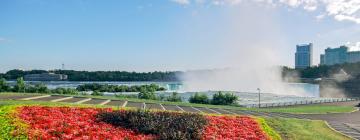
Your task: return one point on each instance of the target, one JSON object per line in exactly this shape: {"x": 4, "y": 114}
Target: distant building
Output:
{"x": 335, "y": 55}
{"x": 45, "y": 77}
{"x": 339, "y": 55}
{"x": 303, "y": 56}
{"x": 322, "y": 59}
{"x": 353, "y": 57}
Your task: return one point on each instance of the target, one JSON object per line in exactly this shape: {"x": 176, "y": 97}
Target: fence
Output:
{"x": 304, "y": 102}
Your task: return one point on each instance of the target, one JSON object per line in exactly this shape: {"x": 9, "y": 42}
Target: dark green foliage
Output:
{"x": 20, "y": 85}
{"x": 69, "y": 91}
{"x": 147, "y": 95}
{"x": 3, "y": 85}
{"x": 224, "y": 99}
{"x": 119, "y": 88}
{"x": 166, "y": 125}
{"x": 100, "y": 75}
{"x": 174, "y": 97}
{"x": 199, "y": 99}
{"x": 323, "y": 70}
{"x": 126, "y": 95}
{"x": 97, "y": 93}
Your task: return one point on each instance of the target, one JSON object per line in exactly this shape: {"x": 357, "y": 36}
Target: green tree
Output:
{"x": 3, "y": 85}
{"x": 224, "y": 99}
{"x": 20, "y": 85}
{"x": 174, "y": 97}
{"x": 41, "y": 88}
{"x": 147, "y": 95}
{"x": 199, "y": 98}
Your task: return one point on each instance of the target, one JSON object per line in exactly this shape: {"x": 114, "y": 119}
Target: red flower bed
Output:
{"x": 80, "y": 123}
{"x": 71, "y": 123}
{"x": 230, "y": 128}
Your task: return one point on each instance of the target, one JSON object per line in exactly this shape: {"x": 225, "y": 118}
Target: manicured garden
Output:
{"x": 64, "y": 122}
{"x": 32, "y": 119}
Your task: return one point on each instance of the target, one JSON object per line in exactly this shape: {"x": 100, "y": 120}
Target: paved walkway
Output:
{"x": 346, "y": 123}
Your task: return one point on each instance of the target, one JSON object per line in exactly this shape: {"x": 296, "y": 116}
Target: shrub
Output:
{"x": 147, "y": 95}
{"x": 224, "y": 99}
{"x": 174, "y": 97}
{"x": 3, "y": 85}
{"x": 166, "y": 125}
{"x": 199, "y": 98}
{"x": 126, "y": 95}
{"x": 97, "y": 93}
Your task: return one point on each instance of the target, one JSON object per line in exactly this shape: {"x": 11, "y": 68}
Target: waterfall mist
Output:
{"x": 250, "y": 47}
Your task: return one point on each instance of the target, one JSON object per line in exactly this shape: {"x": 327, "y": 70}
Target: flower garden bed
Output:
{"x": 41, "y": 122}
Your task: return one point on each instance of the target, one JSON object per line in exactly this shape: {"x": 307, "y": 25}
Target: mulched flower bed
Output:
{"x": 81, "y": 123}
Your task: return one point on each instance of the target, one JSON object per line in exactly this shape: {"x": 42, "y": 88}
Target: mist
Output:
{"x": 250, "y": 48}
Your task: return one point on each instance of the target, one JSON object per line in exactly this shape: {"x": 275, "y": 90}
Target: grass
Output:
{"x": 276, "y": 128}
{"x": 310, "y": 109}
{"x": 295, "y": 129}
{"x": 268, "y": 130}
{"x": 303, "y": 109}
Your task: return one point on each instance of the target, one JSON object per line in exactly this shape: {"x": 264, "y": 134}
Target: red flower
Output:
{"x": 230, "y": 128}
{"x": 72, "y": 123}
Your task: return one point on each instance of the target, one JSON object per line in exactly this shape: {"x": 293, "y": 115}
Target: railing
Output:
{"x": 304, "y": 102}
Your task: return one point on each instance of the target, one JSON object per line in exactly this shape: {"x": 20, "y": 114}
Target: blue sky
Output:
{"x": 149, "y": 35}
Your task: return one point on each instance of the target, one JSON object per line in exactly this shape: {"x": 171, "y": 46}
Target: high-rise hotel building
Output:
{"x": 303, "y": 56}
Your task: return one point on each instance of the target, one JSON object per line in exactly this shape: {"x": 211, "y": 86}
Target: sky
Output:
{"x": 168, "y": 35}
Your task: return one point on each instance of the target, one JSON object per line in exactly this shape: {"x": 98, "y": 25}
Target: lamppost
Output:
{"x": 259, "y": 96}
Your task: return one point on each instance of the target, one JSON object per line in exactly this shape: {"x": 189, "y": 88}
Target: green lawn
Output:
{"x": 288, "y": 129}
{"x": 310, "y": 109}
{"x": 303, "y": 109}
{"x": 295, "y": 129}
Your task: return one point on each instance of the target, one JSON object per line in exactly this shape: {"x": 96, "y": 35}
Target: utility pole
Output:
{"x": 259, "y": 97}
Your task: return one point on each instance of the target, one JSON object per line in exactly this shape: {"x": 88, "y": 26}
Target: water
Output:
{"x": 244, "y": 97}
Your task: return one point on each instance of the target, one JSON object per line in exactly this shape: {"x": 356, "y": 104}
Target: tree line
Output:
{"x": 99, "y": 75}
{"x": 323, "y": 70}
{"x": 97, "y": 89}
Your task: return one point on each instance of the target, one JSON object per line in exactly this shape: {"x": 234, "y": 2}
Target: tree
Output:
{"x": 41, "y": 88}
{"x": 224, "y": 99}
{"x": 20, "y": 85}
{"x": 199, "y": 98}
{"x": 147, "y": 95}
{"x": 174, "y": 97}
{"x": 3, "y": 85}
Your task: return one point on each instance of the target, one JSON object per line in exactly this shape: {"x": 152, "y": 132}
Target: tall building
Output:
{"x": 353, "y": 57}
{"x": 339, "y": 55}
{"x": 303, "y": 56}
{"x": 322, "y": 59}
{"x": 335, "y": 55}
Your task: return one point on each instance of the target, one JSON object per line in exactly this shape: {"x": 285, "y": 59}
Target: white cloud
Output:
{"x": 353, "y": 46}
{"x": 340, "y": 10}
{"x": 3, "y": 39}
{"x": 182, "y": 2}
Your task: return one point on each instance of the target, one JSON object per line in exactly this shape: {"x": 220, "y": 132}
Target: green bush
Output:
{"x": 97, "y": 93}
{"x": 147, "y": 95}
{"x": 119, "y": 88}
{"x": 166, "y": 125}
{"x": 224, "y": 99}
{"x": 174, "y": 97}
{"x": 4, "y": 86}
{"x": 126, "y": 95}
{"x": 199, "y": 98}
